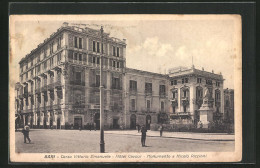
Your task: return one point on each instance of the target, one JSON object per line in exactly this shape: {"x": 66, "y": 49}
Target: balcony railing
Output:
{"x": 38, "y": 90}
{"x": 132, "y": 91}
{"x": 56, "y": 106}
{"x": 174, "y": 102}
{"x": 185, "y": 101}
{"x": 25, "y": 94}
{"x": 78, "y": 106}
{"x": 162, "y": 95}
{"x": 50, "y": 86}
{"x": 44, "y": 88}
{"x": 217, "y": 103}
{"x": 57, "y": 84}
{"x": 148, "y": 93}
{"x": 82, "y": 83}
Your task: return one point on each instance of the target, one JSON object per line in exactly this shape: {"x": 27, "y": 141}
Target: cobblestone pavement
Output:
{"x": 85, "y": 141}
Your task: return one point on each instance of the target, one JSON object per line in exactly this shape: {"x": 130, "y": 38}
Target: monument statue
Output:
{"x": 207, "y": 94}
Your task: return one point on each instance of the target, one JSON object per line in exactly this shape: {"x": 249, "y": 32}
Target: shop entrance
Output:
{"x": 77, "y": 122}
{"x": 58, "y": 123}
{"x": 97, "y": 121}
{"x": 115, "y": 123}
{"x": 148, "y": 122}
{"x": 133, "y": 122}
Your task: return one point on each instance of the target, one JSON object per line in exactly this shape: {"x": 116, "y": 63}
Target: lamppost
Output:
{"x": 102, "y": 142}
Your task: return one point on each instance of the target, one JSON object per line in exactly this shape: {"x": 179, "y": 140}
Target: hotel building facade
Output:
{"x": 59, "y": 86}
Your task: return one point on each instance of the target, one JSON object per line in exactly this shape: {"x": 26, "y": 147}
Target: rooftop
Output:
{"x": 76, "y": 28}
{"x": 181, "y": 71}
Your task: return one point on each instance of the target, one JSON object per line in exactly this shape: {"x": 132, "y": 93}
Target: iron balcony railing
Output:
{"x": 162, "y": 95}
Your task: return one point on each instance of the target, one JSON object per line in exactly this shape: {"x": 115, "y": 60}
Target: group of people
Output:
{"x": 91, "y": 126}
{"x": 142, "y": 128}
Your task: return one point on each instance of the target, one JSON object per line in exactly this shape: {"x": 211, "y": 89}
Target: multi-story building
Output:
{"x": 146, "y": 99}
{"x": 60, "y": 79}
{"x": 187, "y": 87}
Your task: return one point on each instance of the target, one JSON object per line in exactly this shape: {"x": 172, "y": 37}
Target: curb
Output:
{"x": 180, "y": 137}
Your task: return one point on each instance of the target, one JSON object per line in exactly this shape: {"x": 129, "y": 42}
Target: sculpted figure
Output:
{"x": 207, "y": 93}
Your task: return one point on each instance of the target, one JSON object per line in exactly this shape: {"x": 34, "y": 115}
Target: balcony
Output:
{"x": 81, "y": 83}
{"x": 184, "y": 113}
{"x": 50, "y": 86}
{"x": 147, "y": 110}
{"x": 185, "y": 101}
{"x": 78, "y": 106}
{"x": 116, "y": 108}
{"x": 174, "y": 102}
{"x": 56, "y": 107}
{"x": 132, "y": 91}
{"x": 44, "y": 88}
{"x": 57, "y": 84}
{"x": 217, "y": 103}
{"x": 38, "y": 90}
{"x": 20, "y": 96}
{"x": 25, "y": 94}
{"x": 30, "y": 93}
{"x": 162, "y": 95}
{"x": 148, "y": 93}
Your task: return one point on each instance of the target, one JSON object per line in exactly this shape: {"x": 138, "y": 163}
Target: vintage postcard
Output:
{"x": 125, "y": 88}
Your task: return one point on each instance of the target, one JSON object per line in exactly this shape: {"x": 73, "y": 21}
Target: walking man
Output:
{"x": 143, "y": 138}
{"x": 25, "y": 132}
{"x": 138, "y": 127}
{"x": 161, "y": 130}
{"x": 95, "y": 126}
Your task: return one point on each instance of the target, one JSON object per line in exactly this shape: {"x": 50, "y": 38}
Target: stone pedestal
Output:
{"x": 206, "y": 115}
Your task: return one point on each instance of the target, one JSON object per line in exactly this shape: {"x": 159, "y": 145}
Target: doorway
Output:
{"x": 133, "y": 122}
{"x": 26, "y": 120}
{"x": 38, "y": 121}
{"x": 115, "y": 123}
{"x": 45, "y": 122}
{"x": 31, "y": 122}
{"x": 97, "y": 120}
{"x": 58, "y": 123}
{"x": 77, "y": 122}
{"x": 51, "y": 121}
{"x": 148, "y": 122}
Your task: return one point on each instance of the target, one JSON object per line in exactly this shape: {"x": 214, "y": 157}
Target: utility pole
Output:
{"x": 102, "y": 142}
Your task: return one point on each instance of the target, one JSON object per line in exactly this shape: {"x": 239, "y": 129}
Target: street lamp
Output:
{"x": 102, "y": 142}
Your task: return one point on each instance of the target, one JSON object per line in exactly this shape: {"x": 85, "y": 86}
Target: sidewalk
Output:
{"x": 179, "y": 135}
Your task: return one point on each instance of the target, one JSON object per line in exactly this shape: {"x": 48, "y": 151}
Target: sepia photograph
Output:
{"x": 125, "y": 88}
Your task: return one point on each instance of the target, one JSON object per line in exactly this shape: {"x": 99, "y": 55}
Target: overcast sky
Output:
{"x": 153, "y": 44}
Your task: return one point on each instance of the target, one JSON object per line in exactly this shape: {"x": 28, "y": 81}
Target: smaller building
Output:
{"x": 186, "y": 91}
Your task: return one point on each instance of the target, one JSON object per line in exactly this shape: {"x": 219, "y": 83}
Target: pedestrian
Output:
{"x": 25, "y": 132}
{"x": 138, "y": 127}
{"x": 90, "y": 126}
{"x": 143, "y": 138}
{"x": 200, "y": 124}
{"x": 161, "y": 130}
{"x": 95, "y": 126}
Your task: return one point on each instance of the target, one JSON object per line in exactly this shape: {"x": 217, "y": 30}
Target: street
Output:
{"x": 85, "y": 141}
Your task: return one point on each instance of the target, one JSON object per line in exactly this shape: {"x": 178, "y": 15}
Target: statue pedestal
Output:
{"x": 206, "y": 115}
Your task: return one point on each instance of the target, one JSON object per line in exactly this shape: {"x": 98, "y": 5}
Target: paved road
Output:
{"x": 75, "y": 141}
